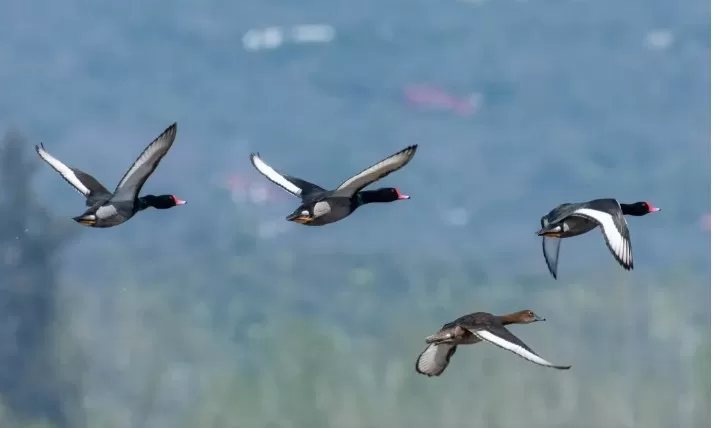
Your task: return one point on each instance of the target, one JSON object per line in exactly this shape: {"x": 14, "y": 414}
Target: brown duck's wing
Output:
{"x": 501, "y": 337}
{"x": 435, "y": 358}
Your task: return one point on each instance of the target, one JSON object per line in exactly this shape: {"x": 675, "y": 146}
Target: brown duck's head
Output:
{"x": 522, "y": 317}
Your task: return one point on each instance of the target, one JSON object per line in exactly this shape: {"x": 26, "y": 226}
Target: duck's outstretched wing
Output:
{"x": 377, "y": 171}
{"x": 292, "y": 185}
{"x": 133, "y": 180}
{"x": 551, "y": 251}
{"x": 551, "y": 245}
{"x": 615, "y": 230}
{"x": 501, "y": 337}
{"x": 557, "y": 215}
{"x": 309, "y": 190}
{"x": 435, "y": 358}
{"x": 82, "y": 182}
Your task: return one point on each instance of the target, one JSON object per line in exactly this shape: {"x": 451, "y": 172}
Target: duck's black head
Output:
{"x": 162, "y": 202}
{"x": 638, "y": 208}
{"x": 385, "y": 194}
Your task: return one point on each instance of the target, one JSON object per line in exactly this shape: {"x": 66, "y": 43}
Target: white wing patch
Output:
{"x": 519, "y": 350}
{"x": 273, "y": 175}
{"x": 434, "y": 359}
{"x": 105, "y": 211}
{"x": 380, "y": 169}
{"x": 321, "y": 208}
{"x": 617, "y": 243}
{"x": 63, "y": 170}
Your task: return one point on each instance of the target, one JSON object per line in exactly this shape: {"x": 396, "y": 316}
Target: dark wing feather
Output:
{"x": 551, "y": 251}
{"x": 558, "y": 214}
{"x": 434, "y": 360}
{"x": 377, "y": 171}
{"x": 551, "y": 246}
{"x": 97, "y": 192}
{"x": 626, "y": 259}
{"x": 82, "y": 182}
{"x": 607, "y": 213}
{"x": 133, "y": 180}
{"x": 501, "y": 337}
{"x": 290, "y": 185}
{"x": 309, "y": 190}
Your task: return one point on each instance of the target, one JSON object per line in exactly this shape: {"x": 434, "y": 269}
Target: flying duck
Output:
{"x": 474, "y": 328}
{"x": 108, "y": 209}
{"x": 569, "y": 220}
{"x": 320, "y": 206}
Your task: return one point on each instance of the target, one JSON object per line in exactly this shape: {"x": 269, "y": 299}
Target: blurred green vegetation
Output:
{"x": 275, "y": 338}
{"x": 274, "y": 352}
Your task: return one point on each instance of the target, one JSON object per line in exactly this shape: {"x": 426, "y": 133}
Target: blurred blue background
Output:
{"x": 222, "y": 314}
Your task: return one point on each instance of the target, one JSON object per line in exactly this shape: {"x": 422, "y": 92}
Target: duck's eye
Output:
{"x": 530, "y": 314}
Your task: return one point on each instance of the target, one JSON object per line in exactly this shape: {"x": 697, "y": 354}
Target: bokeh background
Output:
{"x": 222, "y": 314}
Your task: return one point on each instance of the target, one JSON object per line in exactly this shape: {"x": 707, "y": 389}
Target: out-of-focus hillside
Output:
{"x": 221, "y": 314}
{"x": 578, "y": 100}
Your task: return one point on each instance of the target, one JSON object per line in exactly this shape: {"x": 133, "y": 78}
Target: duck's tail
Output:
{"x": 442, "y": 336}
{"x": 550, "y": 231}
{"x": 86, "y": 219}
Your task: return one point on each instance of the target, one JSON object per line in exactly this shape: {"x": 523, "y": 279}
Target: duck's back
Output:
{"x": 454, "y": 332}
{"x": 558, "y": 214}
{"x": 477, "y": 319}
{"x": 571, "y": 225}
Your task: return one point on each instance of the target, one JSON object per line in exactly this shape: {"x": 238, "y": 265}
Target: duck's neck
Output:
{"x": 507, "y": 319}
{"x": 626, "y": 209}
{"x": 369, "y": 196}
{"x": 633, "y": 209}
{"x": 145, "y": 202}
